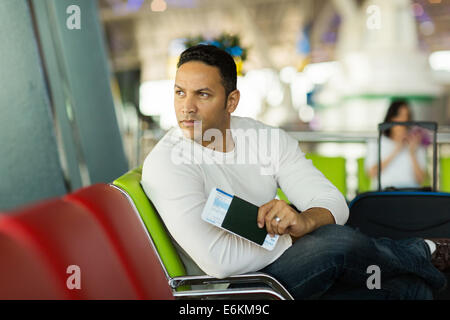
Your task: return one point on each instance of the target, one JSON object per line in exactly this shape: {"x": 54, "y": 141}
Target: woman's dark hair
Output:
{"x": 215, "y": 57}
{"x": 393, "y": 110}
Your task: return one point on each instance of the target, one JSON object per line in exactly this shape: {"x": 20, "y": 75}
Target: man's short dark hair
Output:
{"x": 215, "y": 57}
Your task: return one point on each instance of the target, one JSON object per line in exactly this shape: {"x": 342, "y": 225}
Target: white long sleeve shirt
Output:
{"x": 179, "y": 174}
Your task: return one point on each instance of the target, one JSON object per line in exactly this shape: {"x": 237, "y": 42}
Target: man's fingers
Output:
{"x": 270, "y": 218}
{"x": 277, "y": 226}
{"x": 268, "y": 213}
{"x": 261, "y": 214}
{"x": 262, "y": 211}
{"x": 283, "y": 225}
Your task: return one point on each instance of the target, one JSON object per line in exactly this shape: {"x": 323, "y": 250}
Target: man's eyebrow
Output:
{"x": 198, "y": 90}
{"x": 204, "y": 89}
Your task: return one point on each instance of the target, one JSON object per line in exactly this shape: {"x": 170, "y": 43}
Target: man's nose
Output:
{"x": 189, "y": 105}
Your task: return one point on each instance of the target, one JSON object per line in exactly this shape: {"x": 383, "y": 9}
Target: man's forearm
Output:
{"x": 314, "y": 218}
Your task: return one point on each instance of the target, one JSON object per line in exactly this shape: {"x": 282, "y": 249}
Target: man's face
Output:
{"x": 200, "y": 96}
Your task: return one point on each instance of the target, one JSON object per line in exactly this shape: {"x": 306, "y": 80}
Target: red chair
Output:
{"x": 128, "y": 236}
{"x": 24, "y": 274}
{"x": 95, "y": 229}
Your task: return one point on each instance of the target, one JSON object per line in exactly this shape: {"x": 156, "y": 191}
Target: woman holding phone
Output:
{"x": 403, "y": 157}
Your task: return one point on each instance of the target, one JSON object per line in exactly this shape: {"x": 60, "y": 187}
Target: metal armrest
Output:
{"x": 229, "y": 293}
{"x": 256, "y": 277}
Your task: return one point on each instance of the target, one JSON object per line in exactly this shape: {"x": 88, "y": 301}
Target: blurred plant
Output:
{"x": 227, "y": 42}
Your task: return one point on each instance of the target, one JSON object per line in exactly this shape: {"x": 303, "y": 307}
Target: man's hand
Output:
{"x": 280, "y": 218}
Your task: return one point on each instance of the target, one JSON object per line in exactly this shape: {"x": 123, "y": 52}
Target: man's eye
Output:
{"x": 204, "y": 94}
{"x": 179, "y": 93}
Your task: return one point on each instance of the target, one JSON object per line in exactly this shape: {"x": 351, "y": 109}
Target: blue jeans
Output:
{"x": 332, "y": 262}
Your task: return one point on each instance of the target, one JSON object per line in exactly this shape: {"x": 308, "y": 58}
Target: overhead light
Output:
{"x": 440, "y": 60}
{"x": 275, "y": 96}
{"x": 287, "y": 74}
{"x": 319, "y": 73}
{"x": 306, "y": 113}
{"x": 159, "y": 5}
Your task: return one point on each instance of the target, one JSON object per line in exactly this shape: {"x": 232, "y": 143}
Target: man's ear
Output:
{"x": 233, "y": 100}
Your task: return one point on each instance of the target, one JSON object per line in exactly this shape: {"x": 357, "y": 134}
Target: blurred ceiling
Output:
{"x": 271, "y": 29}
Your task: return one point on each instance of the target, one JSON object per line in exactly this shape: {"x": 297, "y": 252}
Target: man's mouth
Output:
{"x": 188, "y": 123}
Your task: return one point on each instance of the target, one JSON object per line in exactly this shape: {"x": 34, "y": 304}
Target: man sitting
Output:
{"x": 316, "y": 255}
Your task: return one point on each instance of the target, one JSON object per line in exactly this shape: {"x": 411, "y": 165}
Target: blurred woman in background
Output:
{"x": 403, "y": 158}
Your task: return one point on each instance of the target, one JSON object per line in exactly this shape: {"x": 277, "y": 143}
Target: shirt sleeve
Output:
{"x": 304, "y": 185}
{"x": 177, "y": 191}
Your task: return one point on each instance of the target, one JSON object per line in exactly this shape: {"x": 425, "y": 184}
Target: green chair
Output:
{"x": 130, "y": 183}
{"x": 263, "y": 284}
{"x": 282, "y": 196}
{"x": 363, "y": 178}
{"x": 445, "y": 174}
{"x": 333, "y": 168}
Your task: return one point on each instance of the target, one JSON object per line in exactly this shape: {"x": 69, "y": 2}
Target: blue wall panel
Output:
{"x": 29, "y": 164}
{"x": 83, "y": 60}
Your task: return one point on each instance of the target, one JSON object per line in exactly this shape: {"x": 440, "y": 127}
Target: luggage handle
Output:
{"x": 433, "y": 126}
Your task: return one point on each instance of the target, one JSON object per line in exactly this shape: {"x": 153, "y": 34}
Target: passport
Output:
{"x": 238, "y": 216}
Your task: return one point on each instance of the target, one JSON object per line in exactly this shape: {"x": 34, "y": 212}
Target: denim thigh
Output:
{"x": 315, "y": 262}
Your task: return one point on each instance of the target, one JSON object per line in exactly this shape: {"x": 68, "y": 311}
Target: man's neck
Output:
{"x": 226, "y": 145}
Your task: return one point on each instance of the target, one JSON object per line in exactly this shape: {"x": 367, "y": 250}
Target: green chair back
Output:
{"x": 282, "y": 196}
{"x": 130, "y": 183}
{"x": 445, "y": 175}
{"x": 333, "y": 168}
{"x": 363, "y": 178}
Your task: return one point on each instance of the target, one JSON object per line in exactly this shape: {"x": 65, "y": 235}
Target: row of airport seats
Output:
{"x": 112, "y": 239}
{"x": 93, "y": 234}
